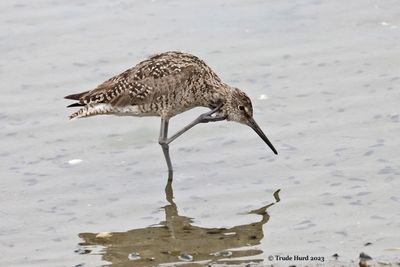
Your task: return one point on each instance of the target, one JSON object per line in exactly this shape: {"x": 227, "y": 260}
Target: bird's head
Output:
{"x": 238, "y": 108}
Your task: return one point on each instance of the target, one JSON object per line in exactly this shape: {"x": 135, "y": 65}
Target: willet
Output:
{"x": 165, "y": 85}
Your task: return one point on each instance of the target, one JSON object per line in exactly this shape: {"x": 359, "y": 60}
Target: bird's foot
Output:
{"x": 212, "y": 115}
{"x": 209, "y": 118}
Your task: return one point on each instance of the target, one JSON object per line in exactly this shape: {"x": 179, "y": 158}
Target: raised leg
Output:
{"x": 203, "y": 118}
{"x": 164, "y": 140}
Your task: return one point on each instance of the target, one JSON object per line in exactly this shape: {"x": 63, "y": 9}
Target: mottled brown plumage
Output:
{"x": 165, "y": 85}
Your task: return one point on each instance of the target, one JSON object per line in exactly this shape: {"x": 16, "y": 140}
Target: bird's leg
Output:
{"x": 169, "y": 193}
{"x": 203, "y": 118}
{"x": 162, "y": 140}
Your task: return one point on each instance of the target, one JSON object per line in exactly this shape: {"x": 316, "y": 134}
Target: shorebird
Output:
{"x": 165, "y": 85}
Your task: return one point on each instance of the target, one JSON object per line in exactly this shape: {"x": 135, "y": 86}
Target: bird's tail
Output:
{"x": 80, "y": 113}
{"x": 75, "y": 96}
{"x": 91, "y": 110}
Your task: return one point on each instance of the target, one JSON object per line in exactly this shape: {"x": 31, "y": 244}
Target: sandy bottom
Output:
{"x": 324, "y": 79}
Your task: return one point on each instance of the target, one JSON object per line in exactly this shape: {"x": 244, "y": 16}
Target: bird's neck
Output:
{"x": 217, "y": 95}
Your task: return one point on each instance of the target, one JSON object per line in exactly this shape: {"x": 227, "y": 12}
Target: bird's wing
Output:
{"x": 116, "y": 90}
{"x": 136, "y": 85}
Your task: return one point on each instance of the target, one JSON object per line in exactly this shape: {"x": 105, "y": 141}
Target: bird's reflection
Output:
{"x": 175, "y": 241}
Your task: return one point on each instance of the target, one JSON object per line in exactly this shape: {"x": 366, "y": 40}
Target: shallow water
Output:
{"x": 176, "y": 240}
{"x": 324, "y": 81}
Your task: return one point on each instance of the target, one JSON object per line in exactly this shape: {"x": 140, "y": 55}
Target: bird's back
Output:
{"x": 163, "y": 85}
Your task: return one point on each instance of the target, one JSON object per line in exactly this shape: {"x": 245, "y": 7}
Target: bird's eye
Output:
{"x": 241, "y": 107}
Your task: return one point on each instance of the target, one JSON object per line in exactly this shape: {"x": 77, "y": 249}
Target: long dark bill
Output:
{"x": 252, "y": 123}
